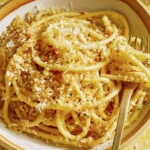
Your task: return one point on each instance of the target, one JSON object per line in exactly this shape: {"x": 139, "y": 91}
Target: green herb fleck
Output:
{"x": 138, "y": 108}
{"x": 85, "y": 114}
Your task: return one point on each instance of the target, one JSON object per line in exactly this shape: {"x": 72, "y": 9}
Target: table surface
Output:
{"x": 143, "y": 141}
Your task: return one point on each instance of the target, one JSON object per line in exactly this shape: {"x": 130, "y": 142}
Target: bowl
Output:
{"x": 130, "y": 9}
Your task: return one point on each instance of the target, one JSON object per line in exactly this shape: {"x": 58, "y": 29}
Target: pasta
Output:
{"x": 63, "y": 72}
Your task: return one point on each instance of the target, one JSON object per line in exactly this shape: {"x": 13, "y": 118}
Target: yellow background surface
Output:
{"x": 143, "y": 141}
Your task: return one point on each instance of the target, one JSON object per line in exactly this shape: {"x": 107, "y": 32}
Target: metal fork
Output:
{"x": 142, "y": 44}
{"x": 127, "y": 93}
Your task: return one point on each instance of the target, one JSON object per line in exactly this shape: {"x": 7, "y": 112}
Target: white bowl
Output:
{"x": 12, "y": 141}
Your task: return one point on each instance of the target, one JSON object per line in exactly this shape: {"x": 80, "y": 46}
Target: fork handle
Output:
{"x": 122, "y": 115}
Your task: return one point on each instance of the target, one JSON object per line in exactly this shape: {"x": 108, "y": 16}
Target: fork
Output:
{"x": 127, "y": 93}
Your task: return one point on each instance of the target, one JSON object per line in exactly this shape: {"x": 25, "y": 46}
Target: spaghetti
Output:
{"x": 62, "y": 74}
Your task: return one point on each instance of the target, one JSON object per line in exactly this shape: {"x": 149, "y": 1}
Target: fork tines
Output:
{"x": 142, "y": 44}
